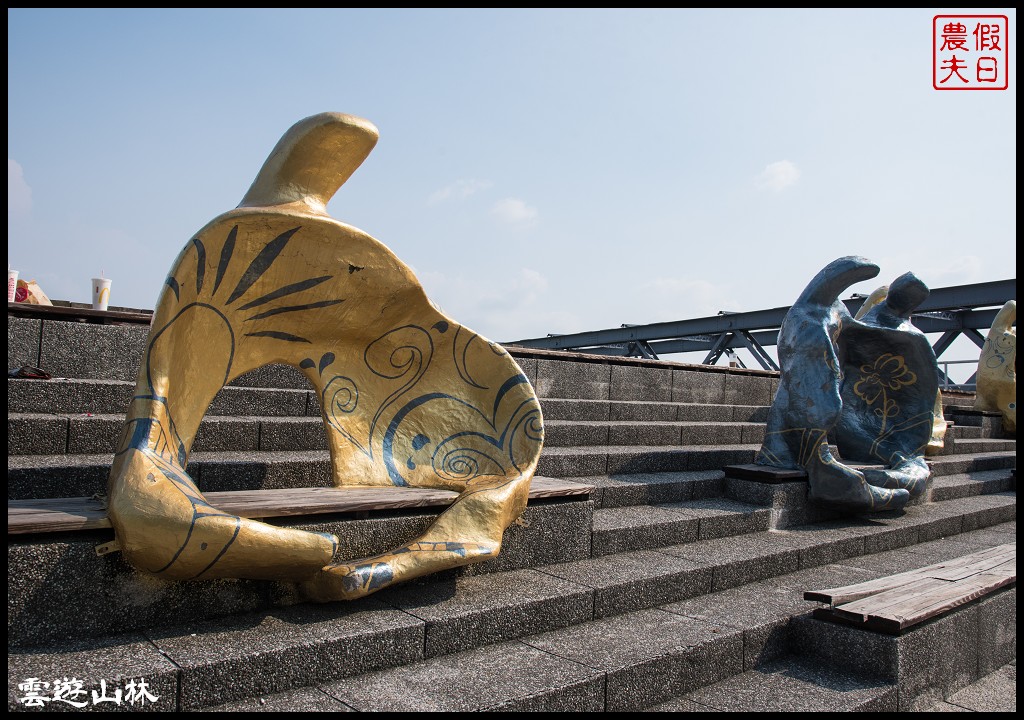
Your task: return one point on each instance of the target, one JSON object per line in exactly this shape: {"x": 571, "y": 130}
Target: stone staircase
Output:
{"x": 659, "y": 582}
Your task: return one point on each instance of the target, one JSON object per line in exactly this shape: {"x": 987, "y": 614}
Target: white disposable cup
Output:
{"x": 100, "y": 293}
{"x": 12, "y": 285}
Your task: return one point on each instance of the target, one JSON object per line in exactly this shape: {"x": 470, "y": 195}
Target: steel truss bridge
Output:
{"x": 948, "y": 312}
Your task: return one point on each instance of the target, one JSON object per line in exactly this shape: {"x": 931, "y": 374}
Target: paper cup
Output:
{"x": 100, "y": 293}
{"x": 12, "y": 285}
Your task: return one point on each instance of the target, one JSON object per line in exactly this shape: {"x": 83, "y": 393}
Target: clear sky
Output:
{"x": 541, "y": 170}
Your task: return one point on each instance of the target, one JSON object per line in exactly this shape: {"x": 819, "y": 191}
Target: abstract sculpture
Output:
{"x": 939, "y": 425}
{"x": 408, "y": 396}
{"x": 890, "y": 385}
{"x": 997, "y": 368}
{"x": 861, "y": 382}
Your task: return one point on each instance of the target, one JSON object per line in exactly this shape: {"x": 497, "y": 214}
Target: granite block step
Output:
{"x": 959, "y": 463}
{"x": 974, "y": 446}
{"x": 88, "y": 434}
{"x": 574, "y": 433}
{"x": 653, "y": 488}
{"x": 611, "y": 664}
{"x": 567, "y": 462}
{"x": 645, "y": 655}
{"x": 788, "y": 684}
{"x": 45, "y": 476}
{"x": 653, "y": 411}
{"x": 982, "y": 482}
{"x": 51, "y": 573}
{"x": 578, "y": 620}
{"x": 645, "y": 527}
{"x": 104, "y": 397}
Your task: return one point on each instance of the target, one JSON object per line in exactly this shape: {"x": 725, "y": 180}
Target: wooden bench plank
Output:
{"x": 947, "y": 569}
{"x": 900, "y": 601}
{"x": 904, "y": 607}
{"x": 68, "y": 514}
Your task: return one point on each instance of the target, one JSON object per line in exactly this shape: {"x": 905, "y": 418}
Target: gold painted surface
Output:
{"x": 409, "y": 397}
{"x": 997, "y": 368}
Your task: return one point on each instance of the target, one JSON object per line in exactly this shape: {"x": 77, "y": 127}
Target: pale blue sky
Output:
{"x": 541, "y": 170}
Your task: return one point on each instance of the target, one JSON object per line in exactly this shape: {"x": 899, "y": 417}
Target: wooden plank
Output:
{"x": 899, "y": 609}
{"x": 78, "y": 314}
{"x": 67, "y": 514}
{"x": 895, "y": 603}
{"x": 55, "y": 515}
{"x": 947, "y": 569}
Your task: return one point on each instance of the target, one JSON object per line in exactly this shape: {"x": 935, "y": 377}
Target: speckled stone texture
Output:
{"x": 550, "y": 531}
{"x": 273, "y": 376}
{"x": 577, "y": 380}
{"x": 288, "y": 648}
{"x": 468, "y": 612}
{"x": 763, "y": 610}
{"x": 630, "y": 382}
{"x": 310, "y": 699}
{"x": 570, "y": 433}
{"x": 98, "y": 352}
{"x": 23, "y": 342}
{"x": 697, "y": 386}
{"x": 790, "y": 685}
{"x": 110, "y": 663}
{"x": 635, "y": 580}
{"x": 36, "y": 434}
{"x": 566, "y": 409}
{"x": 506, "y": 676}
{"x": 654, "y": 488}
{"x": 748, "y": 389}
{"x": 48, "y": 580}
{"x": 68, "y": 396}
{"x": 51, "y": 476}
{"x": 996, "y": 692}
{"x": 648, "y": 656}
{"x": 238, "y": 470}
{"x": 929, "y": 661}
{"x": 741, "y": 559}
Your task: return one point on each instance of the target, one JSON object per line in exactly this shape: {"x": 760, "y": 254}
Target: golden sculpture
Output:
{"x": 939, "y": 425}
{"x": 997, "y": 368}
{"x": 408, "y": 396}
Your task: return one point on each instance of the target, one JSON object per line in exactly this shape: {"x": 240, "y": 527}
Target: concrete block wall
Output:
{"x": 113, "y": 352}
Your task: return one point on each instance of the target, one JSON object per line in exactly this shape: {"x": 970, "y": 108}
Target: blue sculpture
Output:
{"x": 869, "y": 384}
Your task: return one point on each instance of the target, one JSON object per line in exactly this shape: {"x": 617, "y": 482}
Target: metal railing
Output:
{"x": 946, "y": 383}
{"x": 950, "y": 312}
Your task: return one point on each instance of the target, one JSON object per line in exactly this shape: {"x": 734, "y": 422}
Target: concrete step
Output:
{"x": 555, "y": 538}
{"x": 928, "y": 662}
{"x": 114, "y": 352}
{"x": 964, "y": 431}
{"x": 974, "y": 446}
{"x": 90, "y": 434}
{"x": 43, "y": 610}
{"x": 789, "y": 684}
{"x": 553, "y": 638}
{"x": 647, "y": 527}
{"x": 574, "y": 433}
{"x": 650, "y": 411}
{"x": 104, "y": 397}
{"x": 959, "y": 463}
{"x": 569, "y": 462}
{"x": 62, "y": 475}
{"x": 982, "y": 482}
{"x": 43, "y": 476}
{"x": 623, "y": 490}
